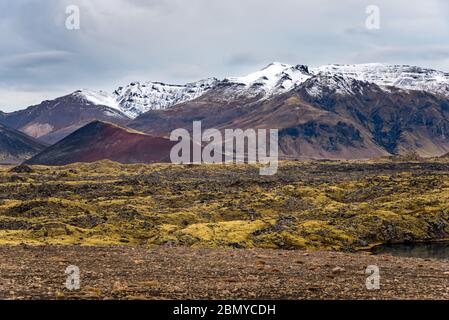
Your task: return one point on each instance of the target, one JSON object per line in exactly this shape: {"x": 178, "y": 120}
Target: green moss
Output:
{"x": 309, "y": 205}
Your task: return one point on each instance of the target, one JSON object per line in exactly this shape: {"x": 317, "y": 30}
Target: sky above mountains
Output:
{"x": 178, "y": 41}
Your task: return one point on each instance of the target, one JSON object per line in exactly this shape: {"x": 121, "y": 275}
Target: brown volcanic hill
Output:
{"x": 325, "y": 117}
{"x": 105, "y": 141}
{"x": 52, "y": 120}
{"x": 16, "y": 146}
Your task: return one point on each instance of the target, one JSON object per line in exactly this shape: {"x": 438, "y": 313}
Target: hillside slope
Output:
{"x": 16, "y": 146}
{"x": 105, "y": 141}
{"x": 53, "y": 120}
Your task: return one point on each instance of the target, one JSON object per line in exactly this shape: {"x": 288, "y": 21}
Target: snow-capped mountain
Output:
{"x": 52, "y": 120}
{"x": 101, "y": 98}
{"x": 137, "y": 98}
{"x": 400, "y": 76}
{"x": 323, "y": 83}
{"x": 358, "y": 89}
{"x": 140, "y": 97}
{"x": 276, "y": 78}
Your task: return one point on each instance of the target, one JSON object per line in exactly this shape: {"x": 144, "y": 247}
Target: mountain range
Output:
{"x": 276, "y": 78}
{"x": 332, "y": 111}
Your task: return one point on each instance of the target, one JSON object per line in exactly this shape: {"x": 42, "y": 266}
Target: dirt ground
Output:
{"x": 129, "y": 272}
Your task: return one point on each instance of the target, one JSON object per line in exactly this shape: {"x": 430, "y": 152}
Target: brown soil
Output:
{"x": 125, "y": 272}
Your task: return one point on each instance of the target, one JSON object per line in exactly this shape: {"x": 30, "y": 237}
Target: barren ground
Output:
{"x": 126, "y": 272}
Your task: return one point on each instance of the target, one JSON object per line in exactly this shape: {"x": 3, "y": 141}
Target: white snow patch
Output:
{"x": 99, "y": 98}
{"x": 274, "y": 79}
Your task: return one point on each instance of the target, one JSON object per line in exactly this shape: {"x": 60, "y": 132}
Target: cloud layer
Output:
{"x": 179, "y": 41}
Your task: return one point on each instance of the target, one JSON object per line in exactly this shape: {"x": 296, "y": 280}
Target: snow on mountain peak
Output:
{"x": 338, "y": 83}
{"x": 276, "y": 78}
{"x": 99, "y": 98}
{"x": 267, "y": 75}
{"x": 401, "y": 76}
{"x": 138, "y": 98}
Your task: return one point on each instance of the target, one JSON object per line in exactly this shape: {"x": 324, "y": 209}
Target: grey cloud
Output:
{"x": 361, "y": 31}
{"x": 179, "y": 41}
{"x": 35, "y": 59}
{"x": 242, "y": 59}
{"x": 149, "y": 4}
{"x": 405, "y": 53}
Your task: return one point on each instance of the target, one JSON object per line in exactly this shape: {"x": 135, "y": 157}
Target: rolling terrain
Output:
{"x": 165, "y": 231}
{"x": 310, "y": 205}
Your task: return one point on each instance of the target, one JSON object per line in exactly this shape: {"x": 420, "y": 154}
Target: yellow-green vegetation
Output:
{"x": 306, "y": 205}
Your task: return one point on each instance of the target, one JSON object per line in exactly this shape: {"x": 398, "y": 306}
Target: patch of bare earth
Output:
{"x": 125, "y": 272}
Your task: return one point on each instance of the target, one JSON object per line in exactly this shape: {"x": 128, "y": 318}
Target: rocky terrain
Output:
{"x": 124, "y": 272}
{"x": 341, "y": 206}
{"x": 165, "y": 231}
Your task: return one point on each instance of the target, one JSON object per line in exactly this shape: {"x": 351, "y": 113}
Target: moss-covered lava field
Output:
{"x": 306, "y": 205}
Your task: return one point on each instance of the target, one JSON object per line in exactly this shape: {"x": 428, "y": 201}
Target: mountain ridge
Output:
{"x": 277, "y": 78}
{"x": 139, "y": 97}
{"x": 327, "y": 116}
{"x": 333, "y": 111}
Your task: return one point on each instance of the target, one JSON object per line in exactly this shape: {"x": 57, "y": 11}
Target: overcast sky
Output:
{"x": 179, "y": 41}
